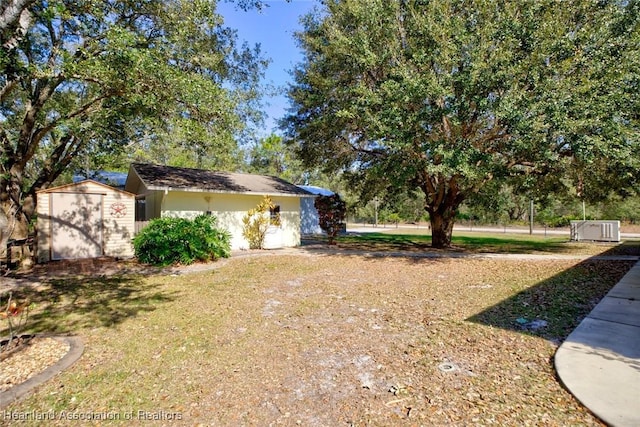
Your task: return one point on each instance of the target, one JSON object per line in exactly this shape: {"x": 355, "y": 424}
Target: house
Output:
{"x": 86, "y": 219}
{"x": 184, "y": 192}
{"x": 310, "y": 219}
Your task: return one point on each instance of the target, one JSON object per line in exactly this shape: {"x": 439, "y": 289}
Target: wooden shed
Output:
{"x": 86, "y": 219}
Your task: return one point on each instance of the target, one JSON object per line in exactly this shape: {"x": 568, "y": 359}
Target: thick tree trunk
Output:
{"x": 441, "y": 228}
{"x": 16, "y": 209}
{"x": 443, "y": 197}
{"x": 13, "y": 225}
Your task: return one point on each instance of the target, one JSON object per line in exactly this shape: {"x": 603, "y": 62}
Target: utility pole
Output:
{"x": 375, "y": 208}
{"x": 531, "y": 217}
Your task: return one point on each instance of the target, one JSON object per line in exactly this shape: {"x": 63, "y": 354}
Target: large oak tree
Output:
{"x": 82, "y": 77}
{"x": 446, "y": 96}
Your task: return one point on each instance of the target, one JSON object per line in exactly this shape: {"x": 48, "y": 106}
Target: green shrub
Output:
{"x": 178, "y": 240}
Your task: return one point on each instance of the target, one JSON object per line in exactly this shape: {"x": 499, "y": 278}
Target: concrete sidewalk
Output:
{"x": 599, "y": 363}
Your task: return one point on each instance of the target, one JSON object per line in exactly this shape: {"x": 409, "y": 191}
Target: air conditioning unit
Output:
{"x": 600, "y": 231}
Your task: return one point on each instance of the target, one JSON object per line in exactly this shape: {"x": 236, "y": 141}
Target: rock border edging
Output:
{"x": 76, "y": 348}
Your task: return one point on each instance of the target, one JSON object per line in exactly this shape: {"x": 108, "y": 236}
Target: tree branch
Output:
{"x": 28, "y": 140}
{"x": 11, "y": 12}
{"x": 14, "y": 22}
{"x": 28, "y": 148}
{"x": 7, "y": 88}
{"x": 68, "y": 147}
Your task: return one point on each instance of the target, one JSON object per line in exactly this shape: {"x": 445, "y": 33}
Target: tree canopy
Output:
{"x": 88, "y": 77}
{"x": 270, "y": 156}
{"x": 448, "y": 96}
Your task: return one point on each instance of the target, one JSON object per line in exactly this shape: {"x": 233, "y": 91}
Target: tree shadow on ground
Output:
{"x": 385, "y": 242}
{"x": 372, "y": 242}
{"x": 483, "y": 244}
{"x": 553, "y": 308}
{"x": 68, "y": 304}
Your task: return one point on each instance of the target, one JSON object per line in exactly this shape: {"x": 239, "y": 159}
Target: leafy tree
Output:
{"x": 447, "y": 96}
{"x": 270, "y": 156}
{"x": 332, "y": 211}
{"x": 497, "y": 203}
{"x": 409, "y": 206}
{"x": 82, "y": 79}
{"x": 625, "y": 210}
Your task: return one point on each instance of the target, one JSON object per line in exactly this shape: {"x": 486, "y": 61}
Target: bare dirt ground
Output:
{"x": 320, "y": 340}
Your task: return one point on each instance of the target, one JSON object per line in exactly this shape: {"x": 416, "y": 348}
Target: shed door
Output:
{"x": 76, "y": 225}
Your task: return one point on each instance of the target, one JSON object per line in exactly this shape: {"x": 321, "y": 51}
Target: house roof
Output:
{"x": 317, "y": 190}
{"x": 169, "y": 178}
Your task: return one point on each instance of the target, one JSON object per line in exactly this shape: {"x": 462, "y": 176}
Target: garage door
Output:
{"x": 76, "y": 225}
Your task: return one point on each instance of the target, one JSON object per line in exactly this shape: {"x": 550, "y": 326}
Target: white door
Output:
{"x": 76, "y": 225}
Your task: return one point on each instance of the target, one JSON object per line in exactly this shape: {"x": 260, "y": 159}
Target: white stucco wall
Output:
{"x": 310, "y": 217}
{"x": 231, "y": 208}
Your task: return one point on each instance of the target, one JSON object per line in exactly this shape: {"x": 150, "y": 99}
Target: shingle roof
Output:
{"x": 157, "y": 177}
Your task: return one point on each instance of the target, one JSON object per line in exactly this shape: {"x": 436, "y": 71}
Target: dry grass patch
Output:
{"x": 334, "y": 340}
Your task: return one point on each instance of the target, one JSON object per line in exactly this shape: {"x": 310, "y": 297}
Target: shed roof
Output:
{"x": 158, "y": 177}
{"x": 83, "y": 186}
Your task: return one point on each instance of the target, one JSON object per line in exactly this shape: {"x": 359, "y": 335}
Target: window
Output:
{"x": 274, "y": 214}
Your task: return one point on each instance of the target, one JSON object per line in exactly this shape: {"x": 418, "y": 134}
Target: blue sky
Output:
{"x": 273, "y": 28}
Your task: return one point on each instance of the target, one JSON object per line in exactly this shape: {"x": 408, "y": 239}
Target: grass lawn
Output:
{"x": 317, "y": 339}
{"x": 419, "y": 240}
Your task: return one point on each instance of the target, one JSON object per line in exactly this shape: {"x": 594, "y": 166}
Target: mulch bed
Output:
{"x": 28, "y": 356}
